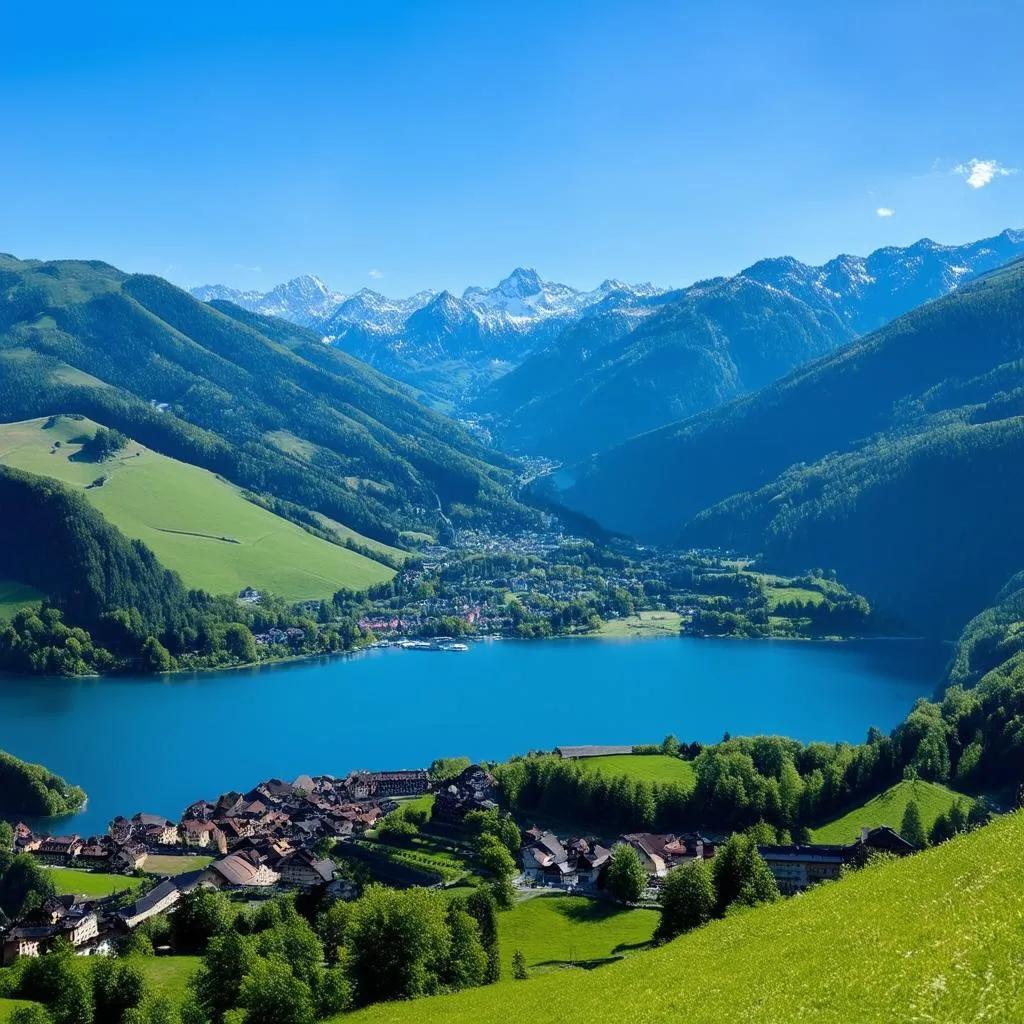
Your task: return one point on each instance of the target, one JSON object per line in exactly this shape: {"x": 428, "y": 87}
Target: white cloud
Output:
{"x": 252, "y": 270}
{"x": 884, "y": 211}
{"x": 980, "y": 172}
{"x": 375, "y": 274}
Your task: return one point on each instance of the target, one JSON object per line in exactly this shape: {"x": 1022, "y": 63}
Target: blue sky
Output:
{"x": 412, "y": 145}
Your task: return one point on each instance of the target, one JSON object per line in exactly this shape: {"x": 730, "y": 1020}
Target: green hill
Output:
{"x": 935, "y": 937}
{"x": 196, "y": 523}
{"x": 266, "y": 405}
{"x": 887, "y": 808}
{"x": 912, "y": 427}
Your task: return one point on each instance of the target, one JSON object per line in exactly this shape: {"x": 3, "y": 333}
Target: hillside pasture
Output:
{"x": 934, "y": 937}
{"x": 195, "y": 522}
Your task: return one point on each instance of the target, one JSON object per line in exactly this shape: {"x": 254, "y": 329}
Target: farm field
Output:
{"x": 938, "y": 934}
{"x": 73, "y": 882}
{"x": 648, "y": 767}
{"x": 887, "y": 809}
{"x": 14, "y": 596}
{"x": 173, "y": 864}
{"x": 196, "y": 523}
{"x": 640, "y": 626}
{"x": 558, "y": 931}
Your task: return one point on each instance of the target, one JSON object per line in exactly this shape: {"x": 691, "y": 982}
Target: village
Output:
{"x": 308, "y": 834}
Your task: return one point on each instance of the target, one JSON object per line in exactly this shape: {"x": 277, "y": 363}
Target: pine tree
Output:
{"x": 519, "y": 966}
{"x": 912, "y": 828}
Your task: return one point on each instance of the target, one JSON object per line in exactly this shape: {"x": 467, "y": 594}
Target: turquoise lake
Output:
{"x": 158, "y": 744}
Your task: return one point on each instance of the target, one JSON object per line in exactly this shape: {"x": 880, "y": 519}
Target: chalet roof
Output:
{"x": 40, "y": 931}
{"x": 152, "y": 898}
{"x": 820, "y": 853}
{"x": 592, "y": 751}
{"x": 152, "y": 819}
{"x": 235, "y": 869}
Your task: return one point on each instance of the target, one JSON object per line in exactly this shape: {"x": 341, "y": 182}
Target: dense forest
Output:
{"x": 886, "y": 460}
{"x": 264, "y": 404}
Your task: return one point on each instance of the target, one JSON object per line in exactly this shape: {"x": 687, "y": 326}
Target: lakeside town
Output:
{"x": 330, "y": 836}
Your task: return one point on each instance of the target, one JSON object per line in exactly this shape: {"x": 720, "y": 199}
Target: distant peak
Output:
{"x": 521, "y": 283}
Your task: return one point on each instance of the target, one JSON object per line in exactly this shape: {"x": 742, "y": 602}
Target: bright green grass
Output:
{"x": 641, "y": 625}
{"x": 887, "y": 809}
{"x": 72, "y": 882}
{"x": 161, "y": 864}
{"x": 148, "y": 496}
{"x": 556, "y": 931}
{"x": 417, "y": 803}
{"x": 168, "y": 975}
{"x": 781, "y": 595}
{"x": 14, "y": 596}
{"x": 649, "y": 767}
{"x": 934, "y": 938}
{"x": 8, "y": 1006}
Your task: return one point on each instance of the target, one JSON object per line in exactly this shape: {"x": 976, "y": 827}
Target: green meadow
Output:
{"x": 642, "y": 625}
{"x": 562, "y": 931}
{"x": 648, "y": 767}
{"x": 196, "y": 523}
{"x": 887, "y": 808}
{"x": 73, "y": 882}
{"x": 174, "y": 864}
{"x": 168, "y": 976}
{"x": 936, "y": 937}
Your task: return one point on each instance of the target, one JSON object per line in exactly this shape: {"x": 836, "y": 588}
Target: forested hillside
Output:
{"x": 891, "y": 461}
{"x": 33, "y": 791}
{"x": 265, "y": 405}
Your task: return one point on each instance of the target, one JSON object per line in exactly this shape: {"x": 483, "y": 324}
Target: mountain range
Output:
{"x": 554, "y": 371}
{"x": 894, "y": 460}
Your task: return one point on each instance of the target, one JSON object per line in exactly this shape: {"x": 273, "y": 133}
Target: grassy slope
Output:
{"x": 649, "y": 767}
{"x": 935, "y": 937}
{"x": 14, "y": 596}
{"x": 887, "y": 809}
{"x": 71, "y": 882}
{"x": 147, "y": 494}
{"x": 553, "y": 931}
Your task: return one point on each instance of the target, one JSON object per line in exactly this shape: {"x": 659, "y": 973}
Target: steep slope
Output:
{"x": 601, "y": 382}
{"x": 914, "y": 428}
{"x": 932, "y": 937}
{"x": 263, "y": 403}
{"x": 196, "y": 523}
